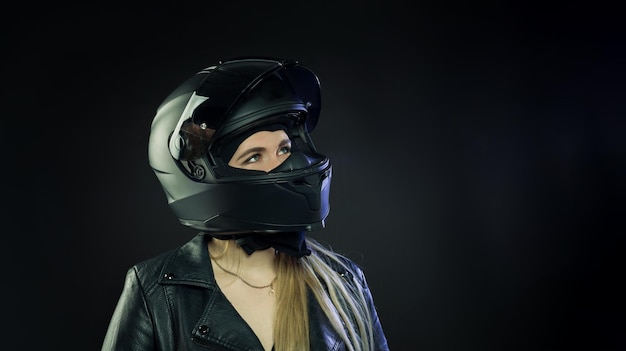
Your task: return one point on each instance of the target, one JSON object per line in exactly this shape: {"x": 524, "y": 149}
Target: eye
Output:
{"x": 284, "y": 150}
{"x": 253, "y": 158}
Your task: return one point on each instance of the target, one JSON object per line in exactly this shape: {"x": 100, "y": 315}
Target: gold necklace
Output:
{"x": 270, "y": 285}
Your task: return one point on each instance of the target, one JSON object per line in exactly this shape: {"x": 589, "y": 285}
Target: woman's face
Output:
{"x": 262, "y": 151}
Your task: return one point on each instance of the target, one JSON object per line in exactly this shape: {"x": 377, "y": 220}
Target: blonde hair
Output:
{"x": 340, "y": 291}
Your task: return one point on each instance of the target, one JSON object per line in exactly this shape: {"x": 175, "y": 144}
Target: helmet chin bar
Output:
{"x": 220, "y": 224}
{"x": 299, "y": 204}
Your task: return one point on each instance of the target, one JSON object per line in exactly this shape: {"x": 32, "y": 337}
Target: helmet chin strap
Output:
{"x": 290, "y": 243}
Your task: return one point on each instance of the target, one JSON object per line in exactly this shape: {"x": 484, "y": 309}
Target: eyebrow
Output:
{"x": 257, "y": 149}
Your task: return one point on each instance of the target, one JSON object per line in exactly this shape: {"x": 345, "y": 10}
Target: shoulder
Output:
{"x": 148, "y": 272}
{"x": 185, "y": 264}
{"x": 341, "y": 264}
{"x": 153, "y": 265}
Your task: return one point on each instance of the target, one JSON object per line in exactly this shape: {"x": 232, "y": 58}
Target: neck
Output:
{"x": 231, "y": 256}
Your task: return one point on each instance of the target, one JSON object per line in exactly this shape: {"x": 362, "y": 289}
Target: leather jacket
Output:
{"x": 172, "y": 302}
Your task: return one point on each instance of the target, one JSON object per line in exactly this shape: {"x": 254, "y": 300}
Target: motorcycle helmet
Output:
{"x": 196, "y": 125}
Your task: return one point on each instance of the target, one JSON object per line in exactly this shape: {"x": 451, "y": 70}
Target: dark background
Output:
{"x": 478, "y": 150}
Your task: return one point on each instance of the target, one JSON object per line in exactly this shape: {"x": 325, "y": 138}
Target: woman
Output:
{"x": 232, "y": 150}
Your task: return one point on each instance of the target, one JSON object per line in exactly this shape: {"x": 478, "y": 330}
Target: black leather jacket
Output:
{"x": 172, "y": 302}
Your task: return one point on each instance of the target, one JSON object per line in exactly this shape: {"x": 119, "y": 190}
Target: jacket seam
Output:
{"x": 171, "y": 314}
{"x": 144, "y": 298}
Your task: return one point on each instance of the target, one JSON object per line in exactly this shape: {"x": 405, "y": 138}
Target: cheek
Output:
{"x": 283, "y": 157}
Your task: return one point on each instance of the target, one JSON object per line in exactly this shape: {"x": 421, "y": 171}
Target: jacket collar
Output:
{"x": 190, "y": 264}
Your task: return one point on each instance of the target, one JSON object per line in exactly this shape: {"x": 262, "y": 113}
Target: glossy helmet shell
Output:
{"x": 215, "y": 106}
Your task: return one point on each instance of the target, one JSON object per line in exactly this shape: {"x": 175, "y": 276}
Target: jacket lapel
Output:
{"x": 220, "y": 325}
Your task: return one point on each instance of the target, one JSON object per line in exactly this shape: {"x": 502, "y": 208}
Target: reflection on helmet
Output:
{"x": 213, "y": 109}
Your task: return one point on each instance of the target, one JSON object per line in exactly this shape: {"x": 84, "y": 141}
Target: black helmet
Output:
{"x": 220, "y": 104}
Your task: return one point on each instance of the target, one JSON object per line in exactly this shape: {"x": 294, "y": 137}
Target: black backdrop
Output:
{"x": 478, "y": 156}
